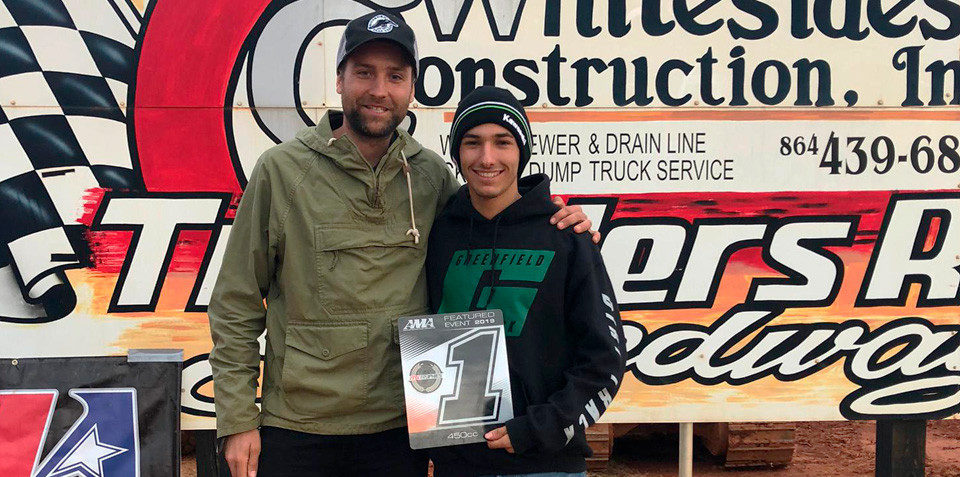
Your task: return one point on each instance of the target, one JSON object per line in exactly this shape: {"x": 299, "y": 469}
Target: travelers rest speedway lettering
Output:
{"x": 681, "y": 264}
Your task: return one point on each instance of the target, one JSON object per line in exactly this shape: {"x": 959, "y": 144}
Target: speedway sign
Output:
{"x": 777, "y": 191}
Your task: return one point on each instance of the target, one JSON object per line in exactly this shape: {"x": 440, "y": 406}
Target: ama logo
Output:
{"x": 419, "y": 324}
{"x": 103, "y": 442}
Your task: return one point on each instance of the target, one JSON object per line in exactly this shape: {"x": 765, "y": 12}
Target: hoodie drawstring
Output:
{"x": 469, "y": 240}
{"x": 493, "y": 259}
{"x": 413, "y": 220}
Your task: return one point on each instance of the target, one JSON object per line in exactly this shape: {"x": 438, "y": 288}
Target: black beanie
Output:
{"x": 489, "y": 104}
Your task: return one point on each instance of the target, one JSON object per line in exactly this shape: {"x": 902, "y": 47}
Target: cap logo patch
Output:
{"x": 381, "y": 24}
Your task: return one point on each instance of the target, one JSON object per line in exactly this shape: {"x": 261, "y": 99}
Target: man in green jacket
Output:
{"x": 326, "y": 251}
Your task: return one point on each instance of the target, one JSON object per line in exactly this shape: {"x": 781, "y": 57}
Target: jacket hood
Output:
{"x": 534, "y": 201}
{"x": 342, "y": 150}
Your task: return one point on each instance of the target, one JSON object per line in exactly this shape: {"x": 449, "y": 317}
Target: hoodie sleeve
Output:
{"x": 591, "y": 383}
{"x": 236, "y": 311}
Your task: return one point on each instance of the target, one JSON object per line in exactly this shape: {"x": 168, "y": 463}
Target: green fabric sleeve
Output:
{"x": 237, "y": 312}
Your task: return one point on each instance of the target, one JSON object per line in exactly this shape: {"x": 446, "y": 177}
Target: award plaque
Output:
{"x": 456, "y": 378}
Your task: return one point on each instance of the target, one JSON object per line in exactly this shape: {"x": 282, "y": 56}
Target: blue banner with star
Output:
{"x": 89, "y": 417}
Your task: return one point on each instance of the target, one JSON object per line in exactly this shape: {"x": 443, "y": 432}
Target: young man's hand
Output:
{"x": 499, "y": 439}
{"x": 242, "y": 453}
{"x": 572, "y": 215}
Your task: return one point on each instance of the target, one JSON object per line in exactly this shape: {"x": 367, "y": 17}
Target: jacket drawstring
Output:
{"x": 413, "y": 220}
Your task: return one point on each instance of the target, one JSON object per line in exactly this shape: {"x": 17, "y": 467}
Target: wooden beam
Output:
{"x": 901, "y": 448}
{"x": 686, "y": 449}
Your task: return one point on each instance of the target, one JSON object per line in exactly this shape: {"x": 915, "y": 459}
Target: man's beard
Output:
{"x": 361, "y": 128}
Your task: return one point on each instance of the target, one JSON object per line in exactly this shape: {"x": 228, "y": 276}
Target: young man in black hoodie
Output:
{"x": 493, "y": 247}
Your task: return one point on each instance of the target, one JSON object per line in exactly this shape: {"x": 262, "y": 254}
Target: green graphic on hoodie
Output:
{"x": 516, "y": 275}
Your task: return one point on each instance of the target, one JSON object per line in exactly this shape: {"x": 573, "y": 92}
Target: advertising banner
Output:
{"x": 96, "y": 416}
{"x": 776, "y": 181}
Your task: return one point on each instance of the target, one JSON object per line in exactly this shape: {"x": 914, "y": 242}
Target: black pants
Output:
{"x": 291, "y": 453}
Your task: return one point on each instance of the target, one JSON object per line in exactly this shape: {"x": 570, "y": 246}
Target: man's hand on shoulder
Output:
{"x": 242, "y": 453}
{"x": 572, "y": 215}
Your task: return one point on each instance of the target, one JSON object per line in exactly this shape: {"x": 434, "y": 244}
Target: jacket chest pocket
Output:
{"x": 366, "y": 269}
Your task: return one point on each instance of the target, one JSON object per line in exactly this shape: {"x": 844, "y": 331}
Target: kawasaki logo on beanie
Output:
{"x": 507, "y": 119}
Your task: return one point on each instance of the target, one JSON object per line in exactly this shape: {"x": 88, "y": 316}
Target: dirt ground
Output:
{"x": 823, "y": 449}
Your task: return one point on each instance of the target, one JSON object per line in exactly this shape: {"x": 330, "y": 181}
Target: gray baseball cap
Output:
{"x": 378, "y": 26}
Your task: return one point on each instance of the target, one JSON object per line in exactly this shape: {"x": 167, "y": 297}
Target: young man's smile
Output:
{"x": 488, "y": 174}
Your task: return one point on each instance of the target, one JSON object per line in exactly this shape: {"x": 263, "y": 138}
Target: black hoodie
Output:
{"x": 564, "y": 338}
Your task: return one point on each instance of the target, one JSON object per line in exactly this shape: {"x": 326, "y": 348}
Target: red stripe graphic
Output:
{"x": 23, "y": 420}
{"x": 180, "y": 92}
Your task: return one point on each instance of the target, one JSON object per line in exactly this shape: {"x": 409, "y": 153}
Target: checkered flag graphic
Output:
{"x": 65, "y": 68}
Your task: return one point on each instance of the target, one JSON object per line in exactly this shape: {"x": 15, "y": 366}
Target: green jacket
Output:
{"x": 321, "y": 239}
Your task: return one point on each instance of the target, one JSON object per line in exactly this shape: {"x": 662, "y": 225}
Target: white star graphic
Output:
{"x": 88, "y": 455}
